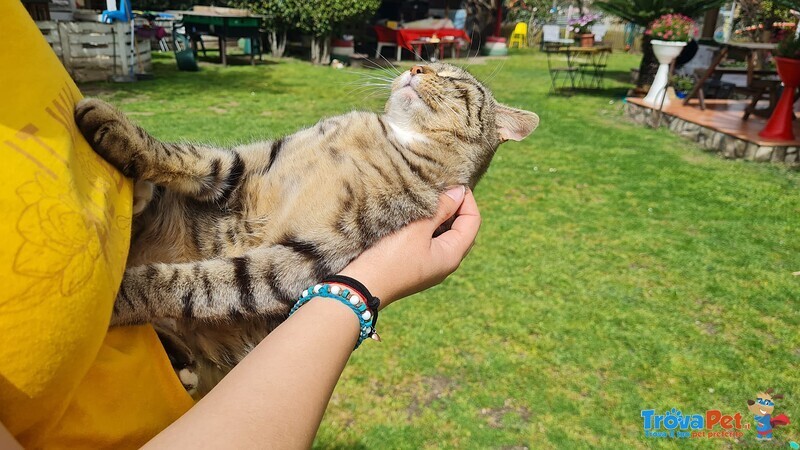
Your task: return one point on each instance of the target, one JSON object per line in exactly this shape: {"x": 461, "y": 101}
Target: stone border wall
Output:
{"x": 728, "y": 146}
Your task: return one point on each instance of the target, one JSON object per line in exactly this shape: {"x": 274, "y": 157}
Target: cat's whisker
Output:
{"x": 377, "y": 77}
{"x": 367, "y": 90}
{"x": 495, "y": 72}
{"x": 373, "y": 83}
{"x": 386, "y": 77}
{"x": 368, "y": 80}
{"x": 386, "y": 70}
{"x": 361, "y": 83}
{"x": 418, "y": 55}
{"x": 396, "y": 70}
{"x": 443, "y": 101}
{"x": 477, "y": 51}
{"x": 368, "y": 83}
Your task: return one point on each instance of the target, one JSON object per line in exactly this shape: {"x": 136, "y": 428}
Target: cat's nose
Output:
{"x": 419, "y": 70}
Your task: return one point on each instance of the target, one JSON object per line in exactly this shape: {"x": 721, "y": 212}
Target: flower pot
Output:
{"x": 666, "y": 52}
{"x": 681, "y": 94}
{"x": 585, "y": 39}
{"x": 779, "y": 125}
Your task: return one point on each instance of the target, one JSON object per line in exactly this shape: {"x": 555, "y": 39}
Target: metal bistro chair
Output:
{"x": 594, "y": 68}
{"x": 599, "y": 31}
{"x": 567, "y": 73}
{"x": 550, "y": 34}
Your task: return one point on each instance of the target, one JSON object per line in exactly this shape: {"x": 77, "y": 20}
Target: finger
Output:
{"x": 449, "y": 202}
{"x": 459, "y": 238}
{"x": 469, "y": 206}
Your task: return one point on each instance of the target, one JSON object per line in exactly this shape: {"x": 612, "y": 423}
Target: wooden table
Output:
{"x": 589, "y": 61}
{"x": 750, "y": 47}
{"x": 223, "y": 26}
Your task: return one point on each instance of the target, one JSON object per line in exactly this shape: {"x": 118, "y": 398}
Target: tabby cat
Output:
{"x": 224, "y": 239}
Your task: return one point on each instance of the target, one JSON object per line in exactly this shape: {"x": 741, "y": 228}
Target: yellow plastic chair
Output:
{"x": 519, "y": 36}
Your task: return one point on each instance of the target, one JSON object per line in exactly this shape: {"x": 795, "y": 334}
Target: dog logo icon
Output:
{"x": 762, "y": 408}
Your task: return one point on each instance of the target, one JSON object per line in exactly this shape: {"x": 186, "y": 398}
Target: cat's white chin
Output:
{"x": 407, "y": 93}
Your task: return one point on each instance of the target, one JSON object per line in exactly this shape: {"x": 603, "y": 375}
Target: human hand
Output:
{"x": 411, "y": 259}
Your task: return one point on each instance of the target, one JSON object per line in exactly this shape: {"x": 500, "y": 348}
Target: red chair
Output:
{"x": 387, "y": 37}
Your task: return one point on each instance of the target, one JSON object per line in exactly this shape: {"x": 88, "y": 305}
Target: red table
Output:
{"x": 410, "y": 37}
{"x": 407, "y": 35}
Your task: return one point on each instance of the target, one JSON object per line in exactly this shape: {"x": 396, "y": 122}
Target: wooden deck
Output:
{"x": 719, "y": 128}
{"x": 724, "y": 116}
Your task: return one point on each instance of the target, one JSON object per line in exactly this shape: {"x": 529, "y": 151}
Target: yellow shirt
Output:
{"x": 66, "y": 381}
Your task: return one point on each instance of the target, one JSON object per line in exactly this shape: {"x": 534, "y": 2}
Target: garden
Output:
{"x": 618, "y": 269}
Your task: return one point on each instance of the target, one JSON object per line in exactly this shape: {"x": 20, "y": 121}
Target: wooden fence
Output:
{"x": 93, "y": 51}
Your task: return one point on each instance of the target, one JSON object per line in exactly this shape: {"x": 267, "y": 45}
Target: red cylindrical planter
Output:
{"x": 779, "y": 125}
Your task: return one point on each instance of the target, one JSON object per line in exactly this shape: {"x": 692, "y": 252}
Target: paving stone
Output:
{"x": 739, "y": 147}
{"x": 750, "y": 151}
{"x": 778, "y": 154}
{"x": 763, "y": 154}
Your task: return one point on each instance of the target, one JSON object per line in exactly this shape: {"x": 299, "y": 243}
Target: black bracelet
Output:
{"x": 372, "y": 302}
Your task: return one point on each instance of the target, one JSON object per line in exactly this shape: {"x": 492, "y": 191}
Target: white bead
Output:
{"x": 335, "y": 290}
{"x": 305, "y": 293}
{"x": 367, "y": 315}
{"x": 317, "y": 288}
{"x": 354, "y": 299}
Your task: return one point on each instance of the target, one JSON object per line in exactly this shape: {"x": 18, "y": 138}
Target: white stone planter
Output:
{"x": 666, "y": 52}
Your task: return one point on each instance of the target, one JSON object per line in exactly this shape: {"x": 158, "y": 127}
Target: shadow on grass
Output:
{"x": 619, "y": 75}
{"x": 610, "y": 93}
{"x": 237, "y": 77}
{"x": 235, "y": 59}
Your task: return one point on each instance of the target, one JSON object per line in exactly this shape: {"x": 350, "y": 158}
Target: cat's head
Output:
{"x": 446, "y": 101}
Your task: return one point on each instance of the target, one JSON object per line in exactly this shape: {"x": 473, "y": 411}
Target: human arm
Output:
{"x": 277, "y": 395}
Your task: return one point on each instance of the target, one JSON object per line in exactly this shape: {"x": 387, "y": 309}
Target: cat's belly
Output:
{"x": 213, "y": 349}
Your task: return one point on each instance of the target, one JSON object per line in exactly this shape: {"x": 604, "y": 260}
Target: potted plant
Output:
{"x": 787, "y": 61}
{"x": 582, "y": 28}
{"x": 682, "y": 84}
{"x": 669, "y": 34}
{"x": 643, "y": 12}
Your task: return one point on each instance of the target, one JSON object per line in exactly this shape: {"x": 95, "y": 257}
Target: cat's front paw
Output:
{"x": 109, "y": 133}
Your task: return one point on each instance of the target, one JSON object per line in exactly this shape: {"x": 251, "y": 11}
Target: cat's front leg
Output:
{"x": 264, "y": 281}
{"x": 203, "y": 172}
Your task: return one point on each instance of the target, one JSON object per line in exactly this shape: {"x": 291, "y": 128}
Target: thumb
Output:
{"x": 449, "y": 202}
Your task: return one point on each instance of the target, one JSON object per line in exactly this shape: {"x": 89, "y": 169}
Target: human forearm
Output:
{"x": 277, "y": 395}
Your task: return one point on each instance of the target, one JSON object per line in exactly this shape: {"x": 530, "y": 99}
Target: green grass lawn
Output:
{"x": 618, "y": 269}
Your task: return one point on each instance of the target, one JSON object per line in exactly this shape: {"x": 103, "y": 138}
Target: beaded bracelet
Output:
{"x": 366, "y": 318}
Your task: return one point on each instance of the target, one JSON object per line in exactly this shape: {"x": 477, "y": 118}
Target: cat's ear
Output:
{"x": 514, "y": 124}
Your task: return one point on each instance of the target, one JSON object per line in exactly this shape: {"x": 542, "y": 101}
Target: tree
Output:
{"x": 279, "y": 16}
{"x": 321, "y": 19}
{"x": 533, "y": 12}
{"x": 642, "y": 12}
{"x": 481, "y": 14}
{"x": 757, "y": 17}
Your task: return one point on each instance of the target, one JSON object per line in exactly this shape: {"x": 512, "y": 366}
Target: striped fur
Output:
{"x": 227, "y": 237}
